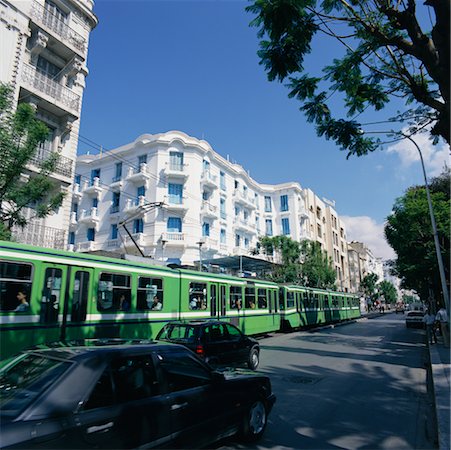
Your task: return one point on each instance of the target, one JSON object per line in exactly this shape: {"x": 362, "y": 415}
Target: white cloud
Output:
{"x": 435, "y": 156}
{"x": 365, "y": 229}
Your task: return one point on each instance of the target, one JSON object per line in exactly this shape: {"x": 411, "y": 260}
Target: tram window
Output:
{"x": 290, "y": 299}
{"x": 80, "y": 296}
{"x": 15, "y": 286}
{"x": 197, "y": 296}
{"x": 150, "y": 294}
{"x": 281, "y": 300}
{"x": 249, "y": 298}
{"x": 262, "y": 300}
{"x": 236, "y": 294}
{"x": 51, "y": 295}
{"x": 114, "y": 292}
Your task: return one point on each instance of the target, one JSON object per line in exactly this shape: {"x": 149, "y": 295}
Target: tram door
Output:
{"x": 78, "y": 288}
{"x": 218, "y": 300}
{"x": 52, "y": 300}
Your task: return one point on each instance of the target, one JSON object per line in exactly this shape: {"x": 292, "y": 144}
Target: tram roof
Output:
{"x": 237, "y": 263}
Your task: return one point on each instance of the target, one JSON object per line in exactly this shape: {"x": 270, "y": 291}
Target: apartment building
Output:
{"x": 44, "y": 47}
{"x": 212, "y": 207}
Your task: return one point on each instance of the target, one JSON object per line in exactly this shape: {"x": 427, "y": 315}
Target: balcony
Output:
{"x": 92, "y": 187}
{"x": 209, "y": 244}
{"x": 116, "y": 183}
{"x": 40, "y": 235}
{"x": 52, "y": 91}
{"x": 208, "y": 210}
{"x": 303, "y": 215}
{"x": 139, "y": 238}
{"x": 175, "y": 204}
{"x": 55, "y": 25}
{"x": 173, "y": 238}
{"x": 76, "y": 191}
{"x": 133, "y": 206}
{"x": 244, "y": 199}
{"x": 173, "y": 170}
{"x": 63, "y": 165}
{"x": 209, "y": 180}
{"x": 138, "y": 175}
{"x": 88, "y": 246}
{"x": 244, "y": 225}
{"x": 89, "y": 217}
{"x": 73, "y": 220}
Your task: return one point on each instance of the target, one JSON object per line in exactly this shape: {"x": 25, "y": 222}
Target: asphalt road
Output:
{"x": 357, "y": 386}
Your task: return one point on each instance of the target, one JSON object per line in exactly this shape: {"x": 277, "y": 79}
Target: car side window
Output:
{"x": 181, "y": 370}
{"x": 215, "y": 333}
{"x": 233, "y": 333}
{"x": 102, "y": 395}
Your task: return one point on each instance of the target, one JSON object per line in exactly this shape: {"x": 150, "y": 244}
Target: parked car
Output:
{"x": 219, "y": 343}
{"x": 414, "y": 319}
{"x": 126, "y": 396}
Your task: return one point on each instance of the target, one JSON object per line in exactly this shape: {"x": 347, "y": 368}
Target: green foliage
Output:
{"x": 20, "y": 136}
{"x": 302, "y": 263}
{"x": 388, "y": 290}
{"x": 409, "y": 232}
{"x": 368, "y": 284}
{"x": 386, "y": 55}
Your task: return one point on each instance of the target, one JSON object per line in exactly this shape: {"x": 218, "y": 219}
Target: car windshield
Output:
{"x": 24, "y": 379}
{"x": 180, "y": 333}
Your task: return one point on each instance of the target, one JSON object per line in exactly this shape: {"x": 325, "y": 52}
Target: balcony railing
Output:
{"x": 173, "y": 236}
{"x": 47, "y": 86}
{"x": 63, "y": 166}
{"x": 58, "y": 26}
{"x": 41, "y": 236}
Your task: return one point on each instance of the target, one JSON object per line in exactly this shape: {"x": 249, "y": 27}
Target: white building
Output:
{"x": 211, "y": 206}
{"x": 44, "y": 47}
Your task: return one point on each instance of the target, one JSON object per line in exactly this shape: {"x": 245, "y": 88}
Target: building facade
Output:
{"x": 44, "y": 47}
{"x": 211, "y": 206}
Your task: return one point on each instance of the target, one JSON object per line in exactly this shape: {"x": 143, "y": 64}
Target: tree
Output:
{"x": 302, "y": 263}
{"x": 368, "y": 285}
{"x": 388, "y": 291}
{"x": 20, "y": 136}
{"x": 408, "y": 231}
{"x": 387, "y": 55}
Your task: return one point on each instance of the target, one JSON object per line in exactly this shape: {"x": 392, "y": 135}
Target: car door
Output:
{"x": 201, "y": 410}
{"x": 239, "y": 347}
{"x": 218, "y": 348}
{"x": 126, "y": 408}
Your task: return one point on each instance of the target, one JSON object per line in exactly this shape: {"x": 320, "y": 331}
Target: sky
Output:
{"x": 192, "y": 66}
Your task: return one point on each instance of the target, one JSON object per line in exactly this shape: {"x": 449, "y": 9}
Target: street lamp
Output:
{"x": 200, "y": 243}
{"x": 163, "y": 245}
{"x": 434, "y": 229}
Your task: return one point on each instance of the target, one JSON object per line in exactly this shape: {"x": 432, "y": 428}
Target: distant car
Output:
{"x": 219, "y": 343}
{"x": 414, "y": 319}
{"x": 399, "y": 309}
{"x": 126, "y": 396}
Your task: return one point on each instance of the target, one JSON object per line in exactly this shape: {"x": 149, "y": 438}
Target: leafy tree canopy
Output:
{"x": 387, "y": 54}
{"x": 408, "y": 231}
{"x": 368, "y": 285}
{"x": 20, "y": 136}
{"x": 388, "y": 291}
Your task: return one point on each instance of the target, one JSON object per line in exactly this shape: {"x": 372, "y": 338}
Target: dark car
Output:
{"x": 219, "y": 343}
{"x": 126, "y": 396}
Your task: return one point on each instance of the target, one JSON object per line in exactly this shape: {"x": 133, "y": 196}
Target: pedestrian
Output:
{"x": 429, "y": 321}
{"x": 23, "y": 303}
{"x": 442, "y": 319}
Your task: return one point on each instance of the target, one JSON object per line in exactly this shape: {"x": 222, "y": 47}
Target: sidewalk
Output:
{"x": 440, "y": 364}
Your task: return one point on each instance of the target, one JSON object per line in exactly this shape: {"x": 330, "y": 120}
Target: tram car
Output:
{"x": 49, "y": 295}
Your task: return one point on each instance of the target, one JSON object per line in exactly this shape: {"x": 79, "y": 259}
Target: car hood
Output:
{"x": 232, "y": 373}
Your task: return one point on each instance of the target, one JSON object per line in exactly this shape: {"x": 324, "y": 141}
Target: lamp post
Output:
{"x": 163, "y": 245}
{"x": 434, "y": 230}
{"x": 200, "y": 243}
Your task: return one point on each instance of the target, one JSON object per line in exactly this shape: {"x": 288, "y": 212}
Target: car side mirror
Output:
{"x": 217, "y": 377}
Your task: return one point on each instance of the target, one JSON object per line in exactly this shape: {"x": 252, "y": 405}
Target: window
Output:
{"x": 222, "y": 181}
{"x": 236, "y": 294}
{"x": 249, "y": 297}
{"x": 95, "y": 202}
{"x": 318, "y": 229}
{"x": 141, "y": 191}
{"x": 150, "y": 294}
{"x": 290, "y": 299}
{"x": 78, "y": 179}
{"x": 176, "y": 161}
{"x": 232, "y": 332}
{"x": 205, "y": 195}
{"x": 268, "y": 205}
{"x": 197, "y": 296}
{"x": 95, "y": 173}
{"x": 138, "y": 226}
{"x": 80, "y": 296}
{"x": 222, "y": 236}
{"x": 205, "y": 229}
{"x": 114, "y": 230}
{"x": 246, "y": 242}
{"x": 245, "y": 214}
{"x": 116, "y": 202}
{"x": 15, "y": 286}
{"x": 51, "y": 295}
{"x": 175, "y": 193}
{"x": 268, "y": 224}
{"x": 262, "y": 298}
{"x": 142, "y": 159}
{"x": 237, "y": 211}
{"x": 174, "y": 225}
{"x": 284, "y": 202}
{"x": 222, "y": 208}
{"x": 237, "y": 184}
{"x": 54, "y": 17}
{"x": 48, "y": 69}
{"x": 257, "y": 224}
{"x": 237, "y": 240}
{"x": 285, "y": 226}
{"x": 72, "y": 238}
{"x": 118, "y": 172}
{"x": 91, "y": 234}
{"x": 113, "y": 292}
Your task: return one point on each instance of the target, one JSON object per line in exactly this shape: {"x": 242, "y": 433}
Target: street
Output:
{"x": 360, "y": 385}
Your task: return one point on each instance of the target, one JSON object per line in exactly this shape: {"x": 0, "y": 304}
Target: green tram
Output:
{"x": 49, "y": 295}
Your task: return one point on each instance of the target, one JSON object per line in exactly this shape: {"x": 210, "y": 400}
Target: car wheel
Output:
{"x": 254, "y": 422}
{"x": 253, "y": 359}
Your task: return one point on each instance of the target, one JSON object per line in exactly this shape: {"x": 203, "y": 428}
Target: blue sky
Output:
{"x": 192, "y": 66}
